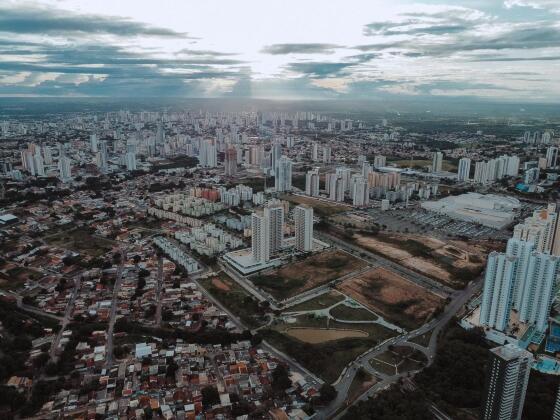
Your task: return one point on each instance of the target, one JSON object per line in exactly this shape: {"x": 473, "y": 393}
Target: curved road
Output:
{"x": 435, "y": 326}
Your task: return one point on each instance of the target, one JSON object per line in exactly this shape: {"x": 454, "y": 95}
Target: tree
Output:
{"x": 210, "y": 396}
{"x": 328, "y": 393}
{"x": 280, "y": 378}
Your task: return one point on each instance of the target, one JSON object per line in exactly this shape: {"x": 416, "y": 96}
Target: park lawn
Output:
{"x": 382, "y": 366}
{"x": 375, "y": 332}
{"x": 347, "y": 313}
{"x": 235, "y": 298}
{"x": 323, "y": 301}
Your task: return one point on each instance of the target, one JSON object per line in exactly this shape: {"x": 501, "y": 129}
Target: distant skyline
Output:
{"x": 500, "y": 50}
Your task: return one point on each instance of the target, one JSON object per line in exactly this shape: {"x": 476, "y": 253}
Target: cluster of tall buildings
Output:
{"x": 524, "y": 278}
{"x": 496, "y": 169}
{"x": 267, "y": 227}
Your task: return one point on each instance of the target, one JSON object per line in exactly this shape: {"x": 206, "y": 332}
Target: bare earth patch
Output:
{"x": 220, "y": 285}
{"x": 392, "y": 296}
{"x": 318, "y": 335}
{"x": 438, "y": 259}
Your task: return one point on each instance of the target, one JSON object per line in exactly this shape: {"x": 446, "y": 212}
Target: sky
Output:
{"x": 499, "y": 50}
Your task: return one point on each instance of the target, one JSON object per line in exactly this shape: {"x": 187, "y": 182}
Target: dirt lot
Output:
{"x": 319, "y": 335}
{"x": 449, "y": 262}
{"x": 219, "y": 284}
{"x": 318, "y": 269}
{"x": 392, "y": 296}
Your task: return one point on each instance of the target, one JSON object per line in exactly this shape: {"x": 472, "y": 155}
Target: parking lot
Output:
{"x": 418, "y": 220}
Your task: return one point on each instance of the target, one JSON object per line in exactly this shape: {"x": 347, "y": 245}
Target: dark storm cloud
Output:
{"x": 310, "y": 48}
{"x": 54, "y": 21}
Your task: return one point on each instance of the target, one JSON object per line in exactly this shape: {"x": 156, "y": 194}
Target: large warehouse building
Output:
{"x": 490, "y": 210}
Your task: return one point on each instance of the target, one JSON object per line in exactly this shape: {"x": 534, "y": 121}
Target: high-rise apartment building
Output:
{"x": 336, "y": 187}
{"x": 275, "y": 154}
{"x": 556, "y": 412}
{"x": 521, "y": 279}
{"x": 538, "y": 290}
{"x": 360, "y": 191}
{"x": 64, "y": 168}
{"x": 267, "y": 232}
{"x": 327, "y": 158}
{"x": 260, "y": 245}
{"x": 230, "y": 161}
{"x": 315, "y": 152}
{"x": 506, "y": 383}
{"x": 437, "y": 161}
{"x": 346, "y": 175}
{"x": 208, "y": 154}
{"x": 463, "y": 172}
{"x": 312, "y": 183}
{"x": 540, "y": 228}
{"x": 303, "y": 221}
{"x": 93, "y": 143}
{"x": 552, "y": 157}
{"x": 379, "y": 161}
{"x": 498, "y": 291}
{"x": 283, "y": 175}
{"x": 102, "y": 156}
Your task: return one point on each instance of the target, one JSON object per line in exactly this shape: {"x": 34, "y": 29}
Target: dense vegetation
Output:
{"x": 391, "y": 404}
{"x": 459, "y": 351}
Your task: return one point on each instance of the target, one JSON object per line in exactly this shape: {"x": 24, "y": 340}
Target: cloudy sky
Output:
{"x": 505, "y": 50}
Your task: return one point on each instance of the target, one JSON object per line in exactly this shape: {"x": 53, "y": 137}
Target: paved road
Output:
{"x": 114, "y": 304}
{"x": 159, "y": 287}
{"x": 33, "y": 309}
{"x": 260, "y": 295}
{"x": 65, "y": 319}
{"x": 434, "y": 326}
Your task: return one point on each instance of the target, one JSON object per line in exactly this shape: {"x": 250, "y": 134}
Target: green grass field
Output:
{"x": 320, "y": 302}
{"x": 347, "y": 313}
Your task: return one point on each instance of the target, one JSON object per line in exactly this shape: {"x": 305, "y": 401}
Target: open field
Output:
{"x": 421, "y": 163}
{"x": 374, "y": 331}
{"x": 15, "y": 277}
{"x": 392, "y": 296}
{"x": 347, "y": 313}
{"x": 326, "y": 360}
{"x": 321, "y": 207}
{"x": 398, "y": 359}
{"x": 319, "y": 335}
{"x": 323, "y": 301}
{"x": 81, "y": 241}
{"x": 453, "y": 263}
{"x": 235, "y": 298}
{"x": 306, "y": 274}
